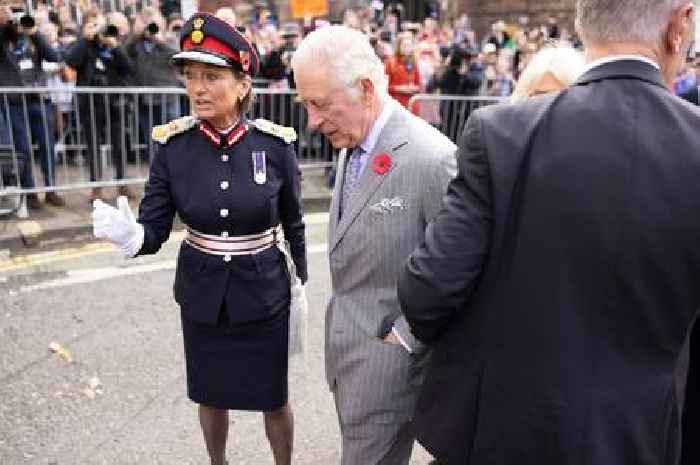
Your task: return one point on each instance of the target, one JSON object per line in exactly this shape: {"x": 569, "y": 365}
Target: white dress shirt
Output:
{"x": 613, "y": 58}
{"x": 372, "y": 137}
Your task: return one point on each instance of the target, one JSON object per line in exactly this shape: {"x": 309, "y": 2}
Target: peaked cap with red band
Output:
{"x": 208, "y": 39}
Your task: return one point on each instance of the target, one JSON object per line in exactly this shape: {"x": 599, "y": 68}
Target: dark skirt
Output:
{"x": 238, "y": 367}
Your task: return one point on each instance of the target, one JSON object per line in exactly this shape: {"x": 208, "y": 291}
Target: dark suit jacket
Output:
{"x": 560, "y": 282}
{"x": 152, "y": 68}
{"x": 82, "y": 56}
{"x": 10, "y": 73}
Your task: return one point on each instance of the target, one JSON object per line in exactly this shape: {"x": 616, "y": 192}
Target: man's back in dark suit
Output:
{"x": 560, "y": 281}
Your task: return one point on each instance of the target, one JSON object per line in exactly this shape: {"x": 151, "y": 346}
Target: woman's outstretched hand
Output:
{"x": 117, "y": 225}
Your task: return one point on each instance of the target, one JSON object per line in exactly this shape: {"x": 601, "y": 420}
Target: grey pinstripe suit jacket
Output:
{"x": 367, "y": 249}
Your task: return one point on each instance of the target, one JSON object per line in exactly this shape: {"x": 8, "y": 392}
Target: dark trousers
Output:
{"x": 103, "y": 125}
{"x": 37, "y": 126}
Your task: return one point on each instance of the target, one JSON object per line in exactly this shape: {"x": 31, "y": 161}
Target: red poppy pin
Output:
{"x": 381, "y": 163}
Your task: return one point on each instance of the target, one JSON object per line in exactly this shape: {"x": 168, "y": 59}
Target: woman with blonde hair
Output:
{"x": 552, "y": 69}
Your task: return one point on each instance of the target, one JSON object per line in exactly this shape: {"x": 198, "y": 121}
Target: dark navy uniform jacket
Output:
{"x": 207, "y": 179}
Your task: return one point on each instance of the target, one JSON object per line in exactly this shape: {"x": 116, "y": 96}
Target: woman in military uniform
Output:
{"x": 235, "y": 184}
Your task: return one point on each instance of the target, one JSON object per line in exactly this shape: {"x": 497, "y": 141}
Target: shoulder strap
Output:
{"x": 164, "y": 132}
{"x": 285, "y": 133}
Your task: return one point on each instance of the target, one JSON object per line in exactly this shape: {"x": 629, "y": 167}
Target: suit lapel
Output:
{"x": 391, "y": 140}
{"x": 337, "y": 193}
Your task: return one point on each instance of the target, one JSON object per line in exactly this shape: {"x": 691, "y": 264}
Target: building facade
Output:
{"x": 486, "y": 12}
{"x": 482, "y": 12}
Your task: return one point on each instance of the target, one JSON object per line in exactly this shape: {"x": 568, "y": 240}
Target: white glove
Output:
{"x": 298, "y": 319}
{"x": 118, "y": 226}
{"x": 298, "y": 294}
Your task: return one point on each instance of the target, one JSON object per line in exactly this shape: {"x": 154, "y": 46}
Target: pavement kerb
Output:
{"x": 53, "y": 232}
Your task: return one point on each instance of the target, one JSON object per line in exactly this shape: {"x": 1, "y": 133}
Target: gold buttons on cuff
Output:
{"x": 224, "y": 185}
{"x": 223, "y": 212}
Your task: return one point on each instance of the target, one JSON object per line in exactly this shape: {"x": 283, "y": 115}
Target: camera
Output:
{"x": 110, "y": 31}
{"x": 152, "y": 29}
{"x": 27, "y": 22}
{"x": 22, "y": 18}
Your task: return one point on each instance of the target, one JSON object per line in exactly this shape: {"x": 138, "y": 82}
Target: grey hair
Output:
{"x": 348, "y": 54}
{"x": 609, "y": 21}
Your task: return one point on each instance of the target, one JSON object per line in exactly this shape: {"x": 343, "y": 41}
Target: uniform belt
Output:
{"x": 234, "y": 245}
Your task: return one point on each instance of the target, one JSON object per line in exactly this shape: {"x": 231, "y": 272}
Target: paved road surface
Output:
{"x": 122, "y": 399}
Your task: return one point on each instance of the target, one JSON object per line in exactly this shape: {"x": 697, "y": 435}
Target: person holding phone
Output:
{"x": 151, "y": 54}
{"x": 100, "y": 62}
{"x": 31, "y": 117}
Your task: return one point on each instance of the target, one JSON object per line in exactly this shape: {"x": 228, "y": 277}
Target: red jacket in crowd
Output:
{"x": 401, "y": 73}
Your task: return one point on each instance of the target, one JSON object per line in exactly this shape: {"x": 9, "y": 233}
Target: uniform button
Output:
{"x": 224, "y": 158}
{"x": 227, "y": 258}
{"x": 224, "y": 234}
{"x": 224, "y": 185}
{"x": 224, "y": 212}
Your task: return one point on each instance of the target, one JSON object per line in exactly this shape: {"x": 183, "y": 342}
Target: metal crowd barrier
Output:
{"x": 81, "y": 137}
{"x": 448, "y": 113}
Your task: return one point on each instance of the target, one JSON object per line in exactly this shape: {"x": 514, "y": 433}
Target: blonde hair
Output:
{"x": 561, "y": 61}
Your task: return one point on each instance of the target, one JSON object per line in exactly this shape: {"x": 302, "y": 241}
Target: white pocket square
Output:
{"x": 388, "y": 205}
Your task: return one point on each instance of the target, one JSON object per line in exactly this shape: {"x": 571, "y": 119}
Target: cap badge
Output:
{"x": 245, "y": 60}
{"x": 197, "y": 35}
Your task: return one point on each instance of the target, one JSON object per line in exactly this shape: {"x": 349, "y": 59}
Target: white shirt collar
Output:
{"x": 228, "y": 129}
{"x": 370, "y": 141}
{"x": 610, "y": 59}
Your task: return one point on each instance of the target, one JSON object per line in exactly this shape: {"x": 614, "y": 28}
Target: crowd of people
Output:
{"x": 51, "y": 48}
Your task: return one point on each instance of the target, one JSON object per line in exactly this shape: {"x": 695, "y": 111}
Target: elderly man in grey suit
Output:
{"x": 392, "y": 173}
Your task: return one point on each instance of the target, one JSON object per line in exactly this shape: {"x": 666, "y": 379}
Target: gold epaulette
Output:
{"x": 288, "y": 134}
{"x": 165, "y": 131}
